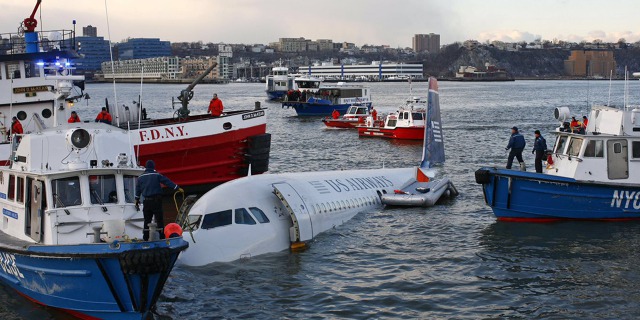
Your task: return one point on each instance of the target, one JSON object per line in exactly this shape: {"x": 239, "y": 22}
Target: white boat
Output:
{"x": 278, "y": 83}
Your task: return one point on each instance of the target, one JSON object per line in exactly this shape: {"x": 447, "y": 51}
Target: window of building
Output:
{"x": 574, "y": 147}
{"x": 217, "y": 219}
{"x": 242, "y": 216}
{"x": 103, "y": 189}
{"x": 595, "y": 149}
{"x": 259, "y": 214}
{"x": 66, "y": 192}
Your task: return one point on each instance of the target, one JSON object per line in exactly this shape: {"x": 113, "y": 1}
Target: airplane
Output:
{"x": 268, "y": 213}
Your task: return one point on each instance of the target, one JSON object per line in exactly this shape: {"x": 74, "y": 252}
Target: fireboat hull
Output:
{"x": 204, "y": 151}
{"x": 413, "y": 133}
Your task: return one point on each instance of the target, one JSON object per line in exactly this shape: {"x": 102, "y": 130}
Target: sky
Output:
{"x": 379, "y": 22}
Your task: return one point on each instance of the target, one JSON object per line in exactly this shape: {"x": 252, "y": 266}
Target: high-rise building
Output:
{"x": 141, "y": 48}
{"x": 94, "y": 51}
{"x": 589, "y": 63}
{"x": 426, "y": 42}
{"x": 89, "y": 31}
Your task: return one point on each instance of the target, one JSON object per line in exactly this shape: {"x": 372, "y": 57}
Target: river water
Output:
{"x": 450, "y": 261}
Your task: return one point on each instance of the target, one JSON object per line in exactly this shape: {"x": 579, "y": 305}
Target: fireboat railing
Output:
{"x": 52, "y": 40}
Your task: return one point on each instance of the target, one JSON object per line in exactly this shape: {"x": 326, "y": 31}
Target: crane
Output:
{"x": 31, "y": 23}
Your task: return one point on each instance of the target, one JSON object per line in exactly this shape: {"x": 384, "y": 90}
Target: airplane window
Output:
{"x": 323, "y": 207}
{"x": 243, "y": 217}
{"x": 344, "y": 205}
{"x": 333, "y": 205}
{"x": 217, "y": 219}
{"x": 259, "y": 214}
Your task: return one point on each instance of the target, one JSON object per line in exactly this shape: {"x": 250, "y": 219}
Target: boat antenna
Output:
{"x": 610, "y": 77}
{"x": 139, "y": 111}
{"x": 113, "y": 74}
{"x": 626, "y": 79}
{"x": 588, "y": 91}
{"x": 10, "y": 101}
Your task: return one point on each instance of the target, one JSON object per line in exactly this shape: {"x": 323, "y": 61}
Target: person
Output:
{"x": 575, "y": 125}
{"x": 335, "y": 114}
{"x": 374, "y": 114}
{"x": 539, "y": 149}
{"x": 104, "y": 116}
{"x": 149, "y": 186}
{"x": 516, "y": 144}
{"x": 585, "y": 122}
{"x": 74, "y": 118}
{"x": 215, "y": 106}
{"x": 16, "y": 126}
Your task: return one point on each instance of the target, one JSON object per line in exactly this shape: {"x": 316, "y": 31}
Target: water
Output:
{"x": 449, "y": 261}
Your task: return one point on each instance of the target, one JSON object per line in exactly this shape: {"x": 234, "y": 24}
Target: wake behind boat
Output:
{"x": 592, "y": 176}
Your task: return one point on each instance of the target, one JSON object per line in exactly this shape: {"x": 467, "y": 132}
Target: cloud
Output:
{"x": 508, "y": 36}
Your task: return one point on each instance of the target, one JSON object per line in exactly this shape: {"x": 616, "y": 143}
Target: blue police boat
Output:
{"x": 328, "y": 98}
{"x": 591, "y": 174}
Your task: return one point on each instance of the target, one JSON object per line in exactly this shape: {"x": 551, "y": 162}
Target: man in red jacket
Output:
{"x": 215, "y": 106}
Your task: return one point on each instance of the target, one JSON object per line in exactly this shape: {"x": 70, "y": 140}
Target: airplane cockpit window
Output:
{"x": 243, "y": 217}
{"x": 217, "y": 219}
{"x": 259, "y": 214}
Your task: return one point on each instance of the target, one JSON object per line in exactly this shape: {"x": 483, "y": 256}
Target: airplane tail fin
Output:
{"x": 433, "y": 148}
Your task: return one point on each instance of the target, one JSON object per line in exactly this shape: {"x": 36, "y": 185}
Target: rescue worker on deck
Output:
{"x": 585, "y": 122}
{"x": 516, "y": 144}
{"x": 149, "y": 185}
{"x": 215, "y": 106}
{"x": 574, "y": 125}
{"x": 374, "y": 114}
{"x": 539, "y": 149}
{"x": 104, "y": 116}
{"x": 74, "y": 118}
{"x": 335, "y": 114}
{"x": 16, "y": 126}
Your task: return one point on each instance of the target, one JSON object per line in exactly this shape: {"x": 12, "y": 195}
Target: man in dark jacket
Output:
{"x": 516, "y": 144}
{"x": 539, "y": 148}
{"x": 149, "y": 185}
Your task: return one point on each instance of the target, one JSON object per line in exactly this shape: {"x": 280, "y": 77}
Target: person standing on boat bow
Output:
{"x": 516, "y": 144}
{"x": 215, "y": 106}
{"x": 335, "y": 114}
{"x": 149, "y": 186}
{"x": 539, "y": 148}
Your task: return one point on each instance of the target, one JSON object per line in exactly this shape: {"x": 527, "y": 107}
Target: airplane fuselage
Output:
{"x": 267, "y": 213}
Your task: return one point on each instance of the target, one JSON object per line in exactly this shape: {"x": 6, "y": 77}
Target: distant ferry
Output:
{"x": 278, "y": 83}
{"x": 328, "y": 98}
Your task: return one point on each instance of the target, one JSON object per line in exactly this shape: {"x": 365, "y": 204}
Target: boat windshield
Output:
{"x": 594, "y": 149}
{"x": 560, "y": 144}
{"x": 352, "y": 110}
{"x": 308, "y": 84}
{"x": 130, "y": 188}
{"x": 361, "y": 110}
{"x": 574, "y": 146}
{"x": 66, "y": 192}
{"x": 103, "y": 189}
{"x": 417, "y": 116}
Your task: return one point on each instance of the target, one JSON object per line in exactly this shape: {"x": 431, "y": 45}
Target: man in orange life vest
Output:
{"x": 16, "y": 126}
{"x": 74, "y": 118}
{"x": 335, "y": 114}
{"x": 215, "y": 106}
{"x": 374, "y": 114}
{"x": 104, "y": 116}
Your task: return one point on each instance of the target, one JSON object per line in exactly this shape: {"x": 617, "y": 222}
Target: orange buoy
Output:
{"x": 172, "y": 230}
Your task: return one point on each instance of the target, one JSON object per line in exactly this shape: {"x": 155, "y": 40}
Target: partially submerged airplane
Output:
{"x": 272, "y": 212}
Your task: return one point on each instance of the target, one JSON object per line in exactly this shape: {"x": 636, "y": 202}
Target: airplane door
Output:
{"x": 302, "y": 229}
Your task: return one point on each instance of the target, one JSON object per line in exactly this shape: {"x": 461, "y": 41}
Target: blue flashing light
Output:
{"x": 66, "y": 64}
{"x": 57, "y": 63}
{"x": 40, "y": 63}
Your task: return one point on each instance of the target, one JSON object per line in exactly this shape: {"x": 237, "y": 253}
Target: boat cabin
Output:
{"x": 357, "y": 111}
{"x": 62, "y": 182}
{"x": 608, "y": 151}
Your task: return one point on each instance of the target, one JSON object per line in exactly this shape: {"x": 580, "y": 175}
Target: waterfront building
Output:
{"x": 159, "y": 68}
{"x": 590, "y": 63}
{"x": 225, "y": 50}
{"x": 224, "y": 68}
{"x": 292, "y": 44}
{"x": 426, "y": 42}
{"x": 141, "y": 48}
{"x": 325, "y": 44}
{"x": 194, "y": 67}
{"x": 94, "y": 51}
{"x": 374, "y": 71}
